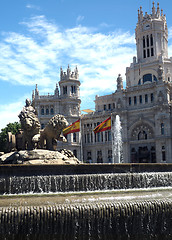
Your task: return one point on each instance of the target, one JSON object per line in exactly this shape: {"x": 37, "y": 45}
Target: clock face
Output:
{"x": 146, "y": 26}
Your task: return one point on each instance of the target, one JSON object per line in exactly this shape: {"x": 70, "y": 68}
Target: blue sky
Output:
{"x": 37, "y": 37}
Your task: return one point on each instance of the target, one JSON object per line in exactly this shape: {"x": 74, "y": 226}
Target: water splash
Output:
{"x": 117, "y": 141}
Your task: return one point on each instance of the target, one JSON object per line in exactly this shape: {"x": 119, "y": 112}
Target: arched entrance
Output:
{"x": 142, "y": 146}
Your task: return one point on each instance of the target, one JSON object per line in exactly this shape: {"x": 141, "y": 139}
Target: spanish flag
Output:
{"x": 74, "y": 127}
{"x": 106, "y": 125}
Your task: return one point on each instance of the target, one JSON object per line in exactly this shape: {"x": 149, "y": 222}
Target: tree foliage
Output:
{"x": 11, "y": 127}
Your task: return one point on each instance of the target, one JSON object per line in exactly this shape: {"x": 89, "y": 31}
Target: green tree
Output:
{"x": 11, "y": 127}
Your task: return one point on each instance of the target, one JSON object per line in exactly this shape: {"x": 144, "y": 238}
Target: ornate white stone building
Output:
{"x": 144, "y": 106}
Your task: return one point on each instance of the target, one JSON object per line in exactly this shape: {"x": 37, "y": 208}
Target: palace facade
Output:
{"x": 144, "y": 106}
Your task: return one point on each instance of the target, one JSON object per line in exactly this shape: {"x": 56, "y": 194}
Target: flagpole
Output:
{"x": 81, "y": 147}
{"x": 112, "y": 133}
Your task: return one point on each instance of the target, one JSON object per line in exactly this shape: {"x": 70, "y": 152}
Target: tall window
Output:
{"x": 109, "y": 136}
{"x": 146, "y": 98}
{"x": 152, "y": 97}
{"x": 88, "y": 138}
{"x": 42, "y": 111}
{"x": 102, "y": 136}
{"x": 135, "y": 100}
{"x": 47, "y": 111}
{"x": 144, "y": 45}
{"x": 73, "y": 89}
{"x": 106, "y": 136}
{"x": 151, "y": 39}
{"x": 162, "y": 128}
{"x": 148, "y": 50}
{"x": 52, "y": 111}
{"x": 98, "y": 137}
{"x": 74, "y": 137}
{"x": 163, "y": 154}
{"x": 129, "y": 101}
{"x": 65, "y": 90}
{"x": 147, "y": 40}
{"x": 140, "y": 99}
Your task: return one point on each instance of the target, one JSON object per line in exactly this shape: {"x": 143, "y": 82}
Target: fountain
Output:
{"x": 81, "y": 201}
{"x": 118, "y": 201}
{"x": 117, "y": 141}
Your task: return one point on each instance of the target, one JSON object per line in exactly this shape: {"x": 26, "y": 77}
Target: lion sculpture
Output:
{"x": 52, "y": 132}
{"x": 30, "y": 125}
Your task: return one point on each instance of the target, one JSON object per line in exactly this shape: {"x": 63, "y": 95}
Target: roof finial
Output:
{"x": 153, "y": 9}
{"x": 158, "y": 11}
{"x": 141, "y": 13}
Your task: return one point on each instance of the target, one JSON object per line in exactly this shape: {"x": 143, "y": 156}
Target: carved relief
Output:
{"x": 142, "y": 132}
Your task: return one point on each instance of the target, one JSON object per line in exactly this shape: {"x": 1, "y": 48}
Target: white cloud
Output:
{"x": 79, "y": 19}
{"x": 31, "y": 6}
{"x": 36, "y": 55}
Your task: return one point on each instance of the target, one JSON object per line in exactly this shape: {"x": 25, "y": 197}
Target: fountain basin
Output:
{"x": 117, "y": 201}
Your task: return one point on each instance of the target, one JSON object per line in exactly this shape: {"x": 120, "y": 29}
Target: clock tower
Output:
{"x": 151, "y": 35}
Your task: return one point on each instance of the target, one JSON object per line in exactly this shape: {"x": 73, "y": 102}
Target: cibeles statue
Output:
{"x": 30, "y": 125}
{"x": 33, "y": 137}
{"x": 32, "y": 145}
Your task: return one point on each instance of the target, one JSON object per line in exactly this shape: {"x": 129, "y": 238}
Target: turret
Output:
{"x": 69, "y": 83}
{"x": 151, "y": 35}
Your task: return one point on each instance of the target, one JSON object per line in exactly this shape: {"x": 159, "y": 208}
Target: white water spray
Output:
{"x": 117, "y": 141}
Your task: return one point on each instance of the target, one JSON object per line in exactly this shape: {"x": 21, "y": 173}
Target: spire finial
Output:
{"x": 158, "y": 11}
{"x": 153, "y": 9}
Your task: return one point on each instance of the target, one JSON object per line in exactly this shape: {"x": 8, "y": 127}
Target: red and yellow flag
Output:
{"x": 106, "y": 125}
{"x": 74, "y": 127}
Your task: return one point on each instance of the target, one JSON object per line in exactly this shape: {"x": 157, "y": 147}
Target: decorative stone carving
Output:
{"x": 160, "y": 73}
{"x": 52, "y": 132}
{"x": 142, "y": 132}
{"x": 30, "y": 125}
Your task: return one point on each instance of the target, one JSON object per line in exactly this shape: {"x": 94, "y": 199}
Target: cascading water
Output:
{"x": 117, "y": 141}
{"x": 119, "y": 201}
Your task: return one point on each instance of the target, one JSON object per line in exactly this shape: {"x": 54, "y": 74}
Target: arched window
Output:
{"x": 47, "y": 111}
{"x": 142, "y": 135}
{"x": 52, "y": 110}
{"x": 42, "y": 111}
{"x": 147, "y": 78}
